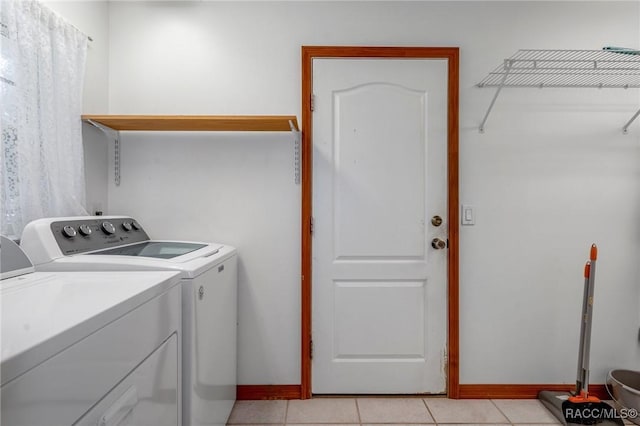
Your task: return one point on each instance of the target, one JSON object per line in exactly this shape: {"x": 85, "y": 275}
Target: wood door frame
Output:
{"x": 452, "y": 55}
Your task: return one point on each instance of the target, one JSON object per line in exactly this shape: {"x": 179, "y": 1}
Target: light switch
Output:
{"x": 468, "y": 216}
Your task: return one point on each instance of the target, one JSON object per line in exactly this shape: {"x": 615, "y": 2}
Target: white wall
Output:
{"x": 92, "y": 18}
{"x": 551, "y": 175}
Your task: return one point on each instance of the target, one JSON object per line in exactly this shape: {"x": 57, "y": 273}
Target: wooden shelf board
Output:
{"x": 219, "y": 123}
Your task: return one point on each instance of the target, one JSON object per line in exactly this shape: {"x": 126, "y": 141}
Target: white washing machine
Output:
{"x": 94, "y": 348}
{"x": 209, "y": 295}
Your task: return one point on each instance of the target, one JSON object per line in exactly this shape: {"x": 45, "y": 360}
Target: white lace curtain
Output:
{"x": 41, "y": 76}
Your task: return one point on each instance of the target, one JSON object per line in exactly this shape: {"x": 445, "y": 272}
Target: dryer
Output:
{"x": 88, "y": 348}
{"x": 208, "y": 274}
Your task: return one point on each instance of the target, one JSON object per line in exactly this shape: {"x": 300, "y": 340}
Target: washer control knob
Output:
{"x": 69, "y": 231}
{"x": 126, "y": 226}
{"x": 135, "y": 225}
{"x": 85, "y": 230}
{"x": 108, "y": 228}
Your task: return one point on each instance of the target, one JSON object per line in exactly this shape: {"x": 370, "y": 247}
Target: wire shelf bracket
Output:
{"x": 625, "y": 128}
{"x": 600, "y": 69}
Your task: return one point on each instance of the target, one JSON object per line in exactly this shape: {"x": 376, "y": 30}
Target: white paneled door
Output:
{"x": 379, "y": 203}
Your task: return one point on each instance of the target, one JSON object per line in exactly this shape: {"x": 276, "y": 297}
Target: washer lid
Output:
{"x": 13, "y": 261}
{"x": 156, "y": 249}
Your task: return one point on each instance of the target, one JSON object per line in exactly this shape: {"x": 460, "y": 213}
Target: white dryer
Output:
{"x": 208, "y": 274}
{"x": 94, "y": 348}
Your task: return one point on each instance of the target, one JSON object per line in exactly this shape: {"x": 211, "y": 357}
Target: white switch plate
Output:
{"x": 468, "y": 215}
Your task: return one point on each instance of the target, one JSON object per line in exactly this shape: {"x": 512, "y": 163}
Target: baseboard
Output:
{"x": 248, "y": 392}
{"x": 511, "y": 391}
{"x": 475, "y": 391}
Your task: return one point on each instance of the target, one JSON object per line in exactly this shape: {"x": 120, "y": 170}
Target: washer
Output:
{"x": 99, "y": 348}
{"x": 209, "y": 295}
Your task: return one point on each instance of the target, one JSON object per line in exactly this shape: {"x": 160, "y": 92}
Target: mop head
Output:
{"x": 587, "y": 412}
{"x": 623, "y": 50}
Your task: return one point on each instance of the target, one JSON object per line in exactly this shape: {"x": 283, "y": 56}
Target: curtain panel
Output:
{"x": 42, "y": 65}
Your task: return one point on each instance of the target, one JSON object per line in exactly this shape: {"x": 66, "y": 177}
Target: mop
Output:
{"x": 580, "y": 408}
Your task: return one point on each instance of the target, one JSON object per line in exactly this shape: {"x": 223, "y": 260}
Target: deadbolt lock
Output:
{"x": 438, "y": 244}
{"x": 436, "y": 220}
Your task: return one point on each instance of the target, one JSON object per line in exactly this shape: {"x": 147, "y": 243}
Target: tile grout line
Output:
{"x": 424, "y": 401}
{"x": 358, "y": 411}
{"x": 501, "y": 412}
{"x": 286, "y": 412}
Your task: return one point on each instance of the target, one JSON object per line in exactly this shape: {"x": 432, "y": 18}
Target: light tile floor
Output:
{"x": 391, "y": 411}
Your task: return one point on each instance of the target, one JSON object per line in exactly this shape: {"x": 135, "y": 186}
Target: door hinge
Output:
{"x": 311, "y": 226}
{"x": 313, "y": 102}
{"x": 311, "y": 349}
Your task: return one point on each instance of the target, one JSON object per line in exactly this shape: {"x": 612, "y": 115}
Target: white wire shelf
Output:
{"x": 601, "y": 69}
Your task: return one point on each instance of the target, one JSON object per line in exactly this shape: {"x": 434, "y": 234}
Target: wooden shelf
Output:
{"x": 195, "y": 123}
{"x": 202, "y": 123}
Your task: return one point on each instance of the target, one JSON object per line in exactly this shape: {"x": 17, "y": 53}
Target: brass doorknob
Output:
{"x": 438, "y": 244}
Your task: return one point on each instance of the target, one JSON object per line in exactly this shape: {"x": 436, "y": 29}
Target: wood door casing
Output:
{"x": 452, "y": 55}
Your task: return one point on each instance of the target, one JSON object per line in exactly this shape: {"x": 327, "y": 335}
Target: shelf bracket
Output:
{"x": 296, "y": 152}
{"x": 507, "y": 65}
{"x": 109, "y": 132}
{"x": 625, "y": 129}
